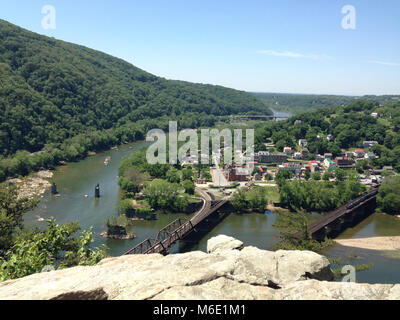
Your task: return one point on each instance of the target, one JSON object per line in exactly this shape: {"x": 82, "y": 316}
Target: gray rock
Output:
{"x": 222, "y": 243}
{"x": 225, "y": 273}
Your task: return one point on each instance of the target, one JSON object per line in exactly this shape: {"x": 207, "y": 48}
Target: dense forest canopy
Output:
{"x": 51, "y": 90}
{"x": 298, "y": 103}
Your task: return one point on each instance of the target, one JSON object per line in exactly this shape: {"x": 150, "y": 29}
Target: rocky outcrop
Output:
{"x": 222, "y": 242}
{"x": 227, "y": 272}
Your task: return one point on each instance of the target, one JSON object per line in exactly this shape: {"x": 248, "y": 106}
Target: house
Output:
{"x": 344, "y": 162}
{"x": 329, "y": 137}
{"x": 375, "y": 115}
{"x": 201, "y": 181}
{"x": 297, "y": 156}
{"x": 267, "y": 157}
{"x": 319, "y": 157}
{"x": 369, "y": 144}
{"x": 304, "y": 153}
{"x": 359, "y": 153}
{"x": 288, "y": 151}
{"x": 303, "y": 143}
{"x": 234, "y": 173}
{"x": 328, "y": 155}
{"x": 297, "y": 122}
{"x": 313, "y": 166}
{"x": 329, "y": 164}
{"x": 296, "y": 168}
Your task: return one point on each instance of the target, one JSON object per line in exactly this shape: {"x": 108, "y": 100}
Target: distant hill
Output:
{"x": 51, "y": 90}
{"x": 298, "y": 103}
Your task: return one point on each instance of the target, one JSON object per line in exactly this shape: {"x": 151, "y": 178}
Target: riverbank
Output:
{"x": 33, "y": 186}
{"x": 374, "y": 243}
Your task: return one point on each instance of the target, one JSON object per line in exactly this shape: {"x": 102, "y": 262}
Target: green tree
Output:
{"x": 56, "y": 247}
{"x": 12, "y": 209}
{"x": 187, "y": 174}
{"x": 189, "y": 187}
{"x": 340, "y": 174}
{"x": 256, "y": 199}
{"x": 293, "y": 230}
{"x": 173, "y": 176}
{"x": 326, "y": 176}
{"x": 388, "y": 199}
{"x": 239, "y": 200}
{"x": 316, "y": 176}
{"x": 163, "y": 195}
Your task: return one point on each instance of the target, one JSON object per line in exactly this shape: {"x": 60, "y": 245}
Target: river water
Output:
{"x": 75, "y": 180}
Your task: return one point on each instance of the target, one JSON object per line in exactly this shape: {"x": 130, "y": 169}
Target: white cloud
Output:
{"x": 290, "y": 54}
{"x": 384, "y": 63}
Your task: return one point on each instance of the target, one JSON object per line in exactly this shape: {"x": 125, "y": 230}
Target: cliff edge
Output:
{"x": 227, "y": 271}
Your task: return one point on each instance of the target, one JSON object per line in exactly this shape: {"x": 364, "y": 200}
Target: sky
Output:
{"x": 287, "y": 46}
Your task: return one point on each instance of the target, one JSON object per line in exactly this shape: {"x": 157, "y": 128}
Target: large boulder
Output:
{"x": 223, "y": 243}
{"x": 225, "y": 273}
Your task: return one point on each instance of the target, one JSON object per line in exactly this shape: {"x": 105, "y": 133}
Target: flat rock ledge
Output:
{"x": 228, "y": 271}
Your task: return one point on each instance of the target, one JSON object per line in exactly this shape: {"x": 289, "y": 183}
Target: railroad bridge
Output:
{"x": 348, "y": 215}
{"x": 331, "y": 225}
{"x": 179, "y": 230}
{"x": 259, "y": 117}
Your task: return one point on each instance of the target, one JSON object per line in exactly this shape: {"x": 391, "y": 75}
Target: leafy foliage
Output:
{"x": 293, "y": 230}
{"x": 56, "y": 247}
{"x": 388, "y": 199}
{"x": 254, "y": 199}
{"x": 11, "y": 212}
{"x": 319, "y": 195}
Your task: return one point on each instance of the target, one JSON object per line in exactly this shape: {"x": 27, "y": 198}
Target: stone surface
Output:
{"x": 225, "y": 273}
{"x": 222, "y": 242}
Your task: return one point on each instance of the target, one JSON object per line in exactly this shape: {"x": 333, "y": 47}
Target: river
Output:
{"x": 75, "y": 180}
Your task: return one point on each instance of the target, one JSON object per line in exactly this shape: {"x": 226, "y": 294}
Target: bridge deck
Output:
{"x": 341, "y": 211}
{"x": 177, "y": 230}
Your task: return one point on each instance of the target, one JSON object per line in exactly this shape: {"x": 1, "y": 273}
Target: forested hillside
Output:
{"x": 66, "y": 100}
{"x": 51, "y": 90}
{"x": 298, "y": 103}
{"x": 347, "y": 126}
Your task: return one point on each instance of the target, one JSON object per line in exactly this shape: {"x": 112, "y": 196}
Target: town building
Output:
{"x": 234, "y": 173}
{"x": 268, "y": 157}
{"x": 329, "y": 164}
{"x": 297, "y": 156}
{"x": 319, "y": 157}
{"x": 296, "y": 168}
{"x": 201, "y": 181}
{"x": 328, "y": 155}
{"x": 344, "y": 162}
{"x": 303, "y": 143}
{"x": 375, "y": 115}
{"x": 313, "y": 166}
{"x": 288, "y": 151}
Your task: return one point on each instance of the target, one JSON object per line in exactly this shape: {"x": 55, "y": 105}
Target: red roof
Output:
{"x": 360, "y": 151}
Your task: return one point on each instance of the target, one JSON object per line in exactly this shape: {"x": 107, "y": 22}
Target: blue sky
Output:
{"x": 272, "y": 46}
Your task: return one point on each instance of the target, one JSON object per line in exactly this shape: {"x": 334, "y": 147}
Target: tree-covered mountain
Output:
{"x": 298, "y": 103}
{"x": 51, "y": 90}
